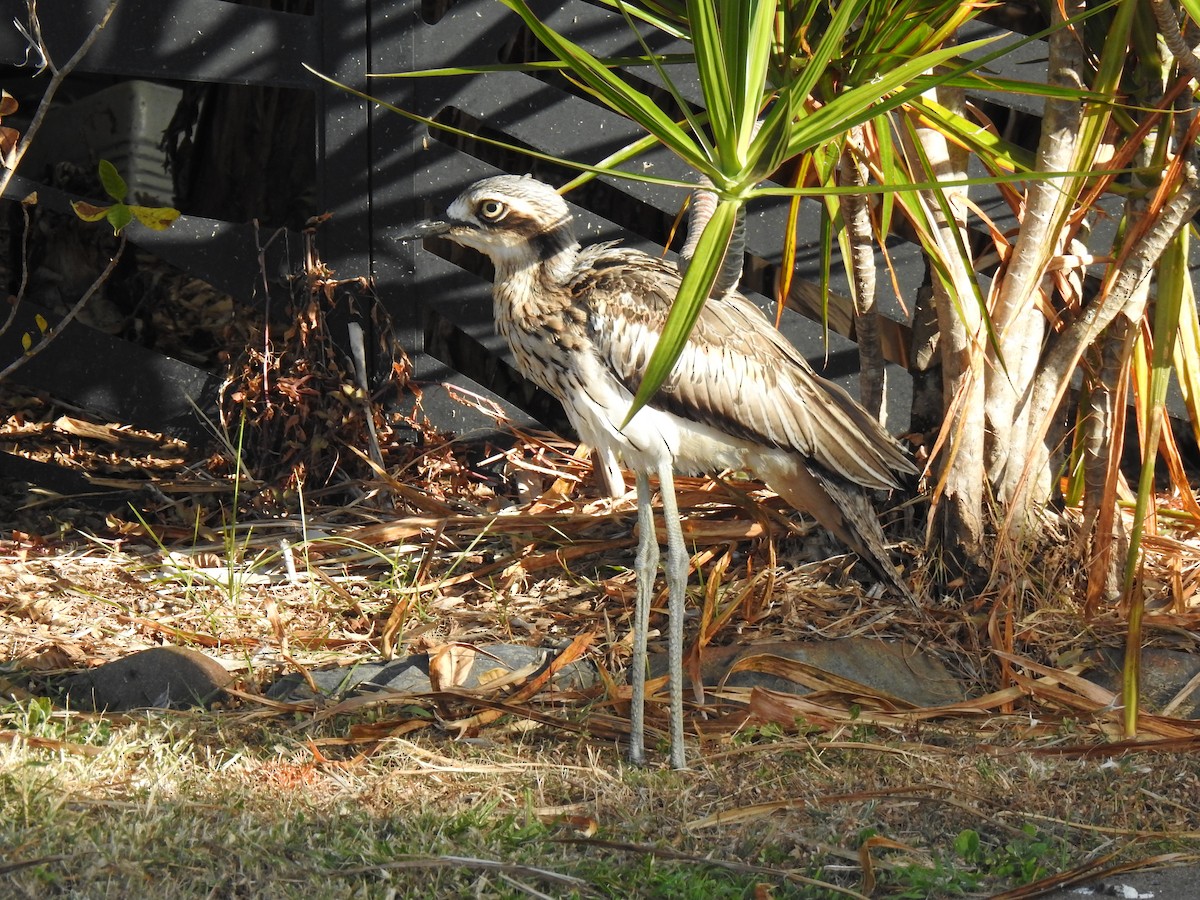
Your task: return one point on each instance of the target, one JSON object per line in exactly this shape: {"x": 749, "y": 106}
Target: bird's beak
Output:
{"x": 422, "y": 230}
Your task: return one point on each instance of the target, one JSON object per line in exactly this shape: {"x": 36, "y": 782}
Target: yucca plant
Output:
{"x": 861, "y": 102}
{"x": 781, "y": 82}
{"x": 1118, "y": 124}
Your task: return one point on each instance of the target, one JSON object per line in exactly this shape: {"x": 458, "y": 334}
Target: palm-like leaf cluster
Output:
{"x": 863, "y": 105}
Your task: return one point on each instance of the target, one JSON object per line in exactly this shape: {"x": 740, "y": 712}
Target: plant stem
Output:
{"x": 60, "y": 75}
{"x": 856, "y": 212}
{"x": 66, "y": 320}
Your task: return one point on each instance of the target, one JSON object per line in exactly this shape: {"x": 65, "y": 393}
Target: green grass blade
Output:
{"x": 599, "y": 169}
{"x": 1096, "y": 116}
{"x": 767, "y": 150}
{"x": 1172, "y": 276}
{"x": 993, "y": 151}
{"x": 693, "y": 120}
{"x": 755, "y": 59}
{"x": 1187, "y": 355}
{"x": 831, "y": 46}
{"x": 664, "y": 21}
{"x": 979, "y": 81}
{"x": 544, "y": 65}
{"x": 889, "y": 161}
{"x": 863, "y": 103}
{"x": 828, "y": 226}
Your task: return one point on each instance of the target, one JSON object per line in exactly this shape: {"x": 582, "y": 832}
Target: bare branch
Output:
{"x": 18, "y": 153}
{"x": 70, "y": 316}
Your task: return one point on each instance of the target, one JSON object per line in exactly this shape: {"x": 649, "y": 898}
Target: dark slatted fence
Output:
{"x": 375, "y": 171}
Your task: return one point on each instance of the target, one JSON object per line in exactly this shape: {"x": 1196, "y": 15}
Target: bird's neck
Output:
{"x": 556, "y": 251}
{"x": 542, "y": 265}
{"x": 547, "y": 256}
{"x": 532, "y": 283}
{"x": 534, "y": 305}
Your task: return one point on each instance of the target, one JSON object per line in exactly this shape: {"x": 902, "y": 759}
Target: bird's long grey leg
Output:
{"x": 676, "y": 572}
{"x": 646, "y": 568}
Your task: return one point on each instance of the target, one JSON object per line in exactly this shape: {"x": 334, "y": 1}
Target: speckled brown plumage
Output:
{"x": 583, "y": 323}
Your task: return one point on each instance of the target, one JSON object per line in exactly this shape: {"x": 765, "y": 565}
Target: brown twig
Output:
{"x": 59, "y": 76}
{"x": 66, "y": 320}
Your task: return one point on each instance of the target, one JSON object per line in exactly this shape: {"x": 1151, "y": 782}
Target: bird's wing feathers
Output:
{"x": 736, "y": 373}
{"x": 842, "y": 509}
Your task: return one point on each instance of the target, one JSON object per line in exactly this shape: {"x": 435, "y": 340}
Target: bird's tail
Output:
{"x": 841, "y": 507}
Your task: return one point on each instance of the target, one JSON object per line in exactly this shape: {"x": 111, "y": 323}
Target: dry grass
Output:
{"x": 238, "y": 803}
{"x": 519, "y": 789}
{"x": 834, "y": 792}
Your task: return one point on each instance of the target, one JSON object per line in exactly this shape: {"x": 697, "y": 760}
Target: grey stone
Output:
{"x": 1164, "y": 673}
{"x": 162, "y": 677}
{"x": 890, "y": 667}
{"x": 410, "y": 675}
{"x": 1160, "y": 884}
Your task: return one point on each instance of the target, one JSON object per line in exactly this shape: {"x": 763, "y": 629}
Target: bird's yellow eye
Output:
{"x": 492, "y": 210}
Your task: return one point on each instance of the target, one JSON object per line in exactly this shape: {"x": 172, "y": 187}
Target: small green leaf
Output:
{"x": 89, "y": 212}
{"x": 157, "y": 217}
{"x": 119, "y": 215}
{"x": 113, "y": 183}
{"x": 26, "y": 341}
{"x": 42, "y": 324}
{"x": 966, "y": 845}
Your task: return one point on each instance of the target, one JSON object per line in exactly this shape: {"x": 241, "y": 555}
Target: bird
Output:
{"x": 582, "y": 324}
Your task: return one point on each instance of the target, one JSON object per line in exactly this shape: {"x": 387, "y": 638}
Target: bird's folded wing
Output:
{"x": 737, "y": 373}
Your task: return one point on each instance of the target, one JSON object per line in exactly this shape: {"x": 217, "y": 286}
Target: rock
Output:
{"x": 161, "y": 677}
{"x": 410, "y": 675}
{"x": 899, "y": 670}
{"x": 1164, "y": 674}
{"x": 893, "y": 668}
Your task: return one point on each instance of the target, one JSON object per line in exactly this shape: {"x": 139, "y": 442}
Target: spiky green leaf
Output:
{"x": 697, "y": 283}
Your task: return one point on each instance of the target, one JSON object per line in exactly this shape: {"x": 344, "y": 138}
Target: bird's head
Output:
{"x": 515, "y": 220}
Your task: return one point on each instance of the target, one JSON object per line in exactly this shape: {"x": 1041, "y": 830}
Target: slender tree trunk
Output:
{"x": 1102, "y": 540}
{"x": 1102, "y": 537}
{"x": 1168, "y": 25}
{"x": 856, "y": 211}
{"x": 1016, "y": 320}
{"x": 928, "y": 408}
{"x": 957, "y": 522}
